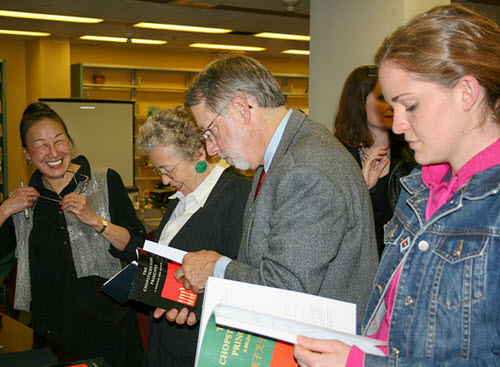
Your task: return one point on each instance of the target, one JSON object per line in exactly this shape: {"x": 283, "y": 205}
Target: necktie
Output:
{"x": 259, "y": 184}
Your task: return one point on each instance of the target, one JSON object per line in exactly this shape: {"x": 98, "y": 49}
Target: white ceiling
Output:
{"x": 244, "y": 16}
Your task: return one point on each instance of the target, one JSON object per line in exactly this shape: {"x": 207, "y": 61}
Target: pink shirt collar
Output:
{"x": 441, "y": 191}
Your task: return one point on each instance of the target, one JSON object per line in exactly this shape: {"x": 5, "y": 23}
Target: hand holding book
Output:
{"x": 196, "y": 268}
{"x": 151, "y": 280}
{"x": 331, "y": 352}
{"x": 174, "y": 315}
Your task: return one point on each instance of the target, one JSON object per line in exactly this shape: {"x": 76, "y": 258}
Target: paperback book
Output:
{"x": 155, "y": 285}
{"x": 151, "y": 280}
{"x": 246, "y": 324}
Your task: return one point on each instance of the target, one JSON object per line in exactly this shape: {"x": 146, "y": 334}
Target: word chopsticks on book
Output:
{"x": 243, "y": 323}
{"x": 151, "y": 280}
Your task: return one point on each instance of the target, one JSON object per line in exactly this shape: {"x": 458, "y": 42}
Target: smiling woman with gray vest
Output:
{"x": 72, "y": 225}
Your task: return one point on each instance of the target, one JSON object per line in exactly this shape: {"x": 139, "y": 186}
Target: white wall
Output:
{"x": 345, "y": 35}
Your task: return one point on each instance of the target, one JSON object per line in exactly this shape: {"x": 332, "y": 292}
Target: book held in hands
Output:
{"x": 245, "y": 324}
{"x": 151, "y": 280}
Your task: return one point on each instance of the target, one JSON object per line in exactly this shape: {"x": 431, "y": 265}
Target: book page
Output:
{"x": 286, "y": 330}
{"x": 167, "y": 252}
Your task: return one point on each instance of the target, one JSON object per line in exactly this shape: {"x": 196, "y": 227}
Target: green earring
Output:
{"x": 201, "y": 166}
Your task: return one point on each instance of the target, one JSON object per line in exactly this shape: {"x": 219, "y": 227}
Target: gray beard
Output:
{"x": 240, "y": 164}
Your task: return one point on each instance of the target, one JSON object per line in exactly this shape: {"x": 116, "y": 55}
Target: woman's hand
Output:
{"x": 22, "y": 198}
{"x": 375, "y": 165}
{"x": 311, "y": 352}
{"x": 78, "y": 205}
{"x": 182, "y": 317}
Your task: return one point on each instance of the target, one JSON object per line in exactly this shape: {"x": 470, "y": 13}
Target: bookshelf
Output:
{"x": 154, "y": 87}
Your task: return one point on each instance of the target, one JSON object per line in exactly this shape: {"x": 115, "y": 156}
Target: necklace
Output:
{"x": 80, "y": 187}
{"x": 362, "y": 155}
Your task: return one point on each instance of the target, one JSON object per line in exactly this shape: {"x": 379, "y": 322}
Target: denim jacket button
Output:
{"x": 408, "y": 300}
{"x": 423, "y": 245}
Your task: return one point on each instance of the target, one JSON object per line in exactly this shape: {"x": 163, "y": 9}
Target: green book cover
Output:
{"x": 223, "y": 346}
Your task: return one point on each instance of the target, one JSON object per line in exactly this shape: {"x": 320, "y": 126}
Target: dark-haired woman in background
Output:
{"x": 363, "y": 124}
{"x": 72, "y": 225}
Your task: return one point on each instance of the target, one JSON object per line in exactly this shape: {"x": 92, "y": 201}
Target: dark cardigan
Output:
{"x": 216, "y": 226}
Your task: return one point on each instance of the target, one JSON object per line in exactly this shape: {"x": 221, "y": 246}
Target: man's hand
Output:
{"x": 181, "y": 318}
{"x": 196, "y": 268}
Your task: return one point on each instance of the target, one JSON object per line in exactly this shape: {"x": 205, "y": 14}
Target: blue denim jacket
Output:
{"x": 447, "y": 305}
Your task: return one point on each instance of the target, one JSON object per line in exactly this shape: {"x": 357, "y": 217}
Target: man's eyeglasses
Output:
{"x": 169, "y": 174}
{"x": 207, "y": 133}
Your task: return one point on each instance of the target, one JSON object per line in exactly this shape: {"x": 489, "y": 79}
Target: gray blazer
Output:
{"x": 311, "y": 227}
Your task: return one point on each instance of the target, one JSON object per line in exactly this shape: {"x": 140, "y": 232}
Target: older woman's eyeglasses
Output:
{"x": 169, "y": 174}
{"x": 207, "y": 133}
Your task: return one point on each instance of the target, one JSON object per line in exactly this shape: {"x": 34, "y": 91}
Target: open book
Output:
{"x": 243, "y": 322}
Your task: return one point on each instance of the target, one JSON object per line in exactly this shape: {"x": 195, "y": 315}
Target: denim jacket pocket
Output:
{"x": 393, "y": 231}
{"x": 457, "y": 271}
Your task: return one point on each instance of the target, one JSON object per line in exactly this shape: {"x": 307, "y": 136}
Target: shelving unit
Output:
{"x": 152, "y": 87}
{"x": 4, "y": 187}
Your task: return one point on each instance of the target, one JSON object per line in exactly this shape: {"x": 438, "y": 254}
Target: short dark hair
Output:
{"x": 36, "y": 112}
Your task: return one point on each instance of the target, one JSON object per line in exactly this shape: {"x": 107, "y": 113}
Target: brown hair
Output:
{"x": 350, "y": 123}
{"x": 446, "y": 43}
{"x": 172, "y": 127}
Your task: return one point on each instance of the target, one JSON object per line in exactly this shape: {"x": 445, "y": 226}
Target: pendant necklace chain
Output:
{"x": 80, "y": 187}
{"x": 363, "y": 156}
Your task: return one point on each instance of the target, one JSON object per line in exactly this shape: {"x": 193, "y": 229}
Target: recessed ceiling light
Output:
{"x": 192, "y": 4}
{"x": 227, "y": 47}
{"x": 24, "y": 33}
{"x": 59, "y": 18}
{"x": 283, "y": 36}
{"x": 107, "y": 39}
{"x": 182, "y": 28}
{"x": 123, "y": 40}
{"x": 147, "y": 42}
{"x": 297, "y": 52}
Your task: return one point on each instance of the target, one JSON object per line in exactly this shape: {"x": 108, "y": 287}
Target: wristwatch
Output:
{"x": 104, "y": 226}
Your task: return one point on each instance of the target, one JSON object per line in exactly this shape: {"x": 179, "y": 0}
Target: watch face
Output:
{"x": 104, "y": 226}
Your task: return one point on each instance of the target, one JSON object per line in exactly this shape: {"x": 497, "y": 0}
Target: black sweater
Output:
{"x": 216, "y": 226}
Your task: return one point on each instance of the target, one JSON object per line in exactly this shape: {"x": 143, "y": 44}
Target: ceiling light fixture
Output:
{"x": 226, "y": 47}
{"x": 192, "y": 4}
{"x": 283, "y": 36}
{"x": 24, "y": 33}
{"x": 148, "y": 42}
{"x": 105, "y": 39}
{"x": 59, "y": 18}
{"x": 297, "y": 52}
{"x": 290, "y": 4}
{"x": 123, "y": 40}
{"x": 182, "y": 28}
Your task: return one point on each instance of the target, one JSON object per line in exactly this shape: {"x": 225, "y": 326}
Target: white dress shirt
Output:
{"x": 189, "y": 204}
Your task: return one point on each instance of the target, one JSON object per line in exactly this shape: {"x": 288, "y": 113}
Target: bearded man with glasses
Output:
{"x": 308, "y": 222}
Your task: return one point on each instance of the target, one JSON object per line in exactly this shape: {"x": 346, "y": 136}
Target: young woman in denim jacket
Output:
{"x": 436, "y": 297}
